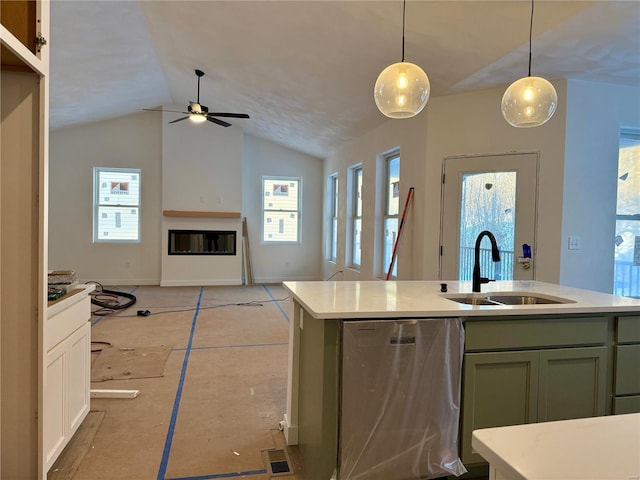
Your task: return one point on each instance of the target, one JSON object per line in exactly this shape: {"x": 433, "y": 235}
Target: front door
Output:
{"x": 497, "y": 193}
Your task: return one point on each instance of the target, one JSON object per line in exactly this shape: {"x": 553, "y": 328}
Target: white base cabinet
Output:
{"x": 67, "y": 378}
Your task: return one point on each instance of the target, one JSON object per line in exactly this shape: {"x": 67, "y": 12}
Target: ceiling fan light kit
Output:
{"x": 530, "y": 101}
{"x": 402, "y": 89}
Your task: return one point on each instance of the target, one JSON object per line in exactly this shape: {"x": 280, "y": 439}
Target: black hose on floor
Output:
{"x": 111, "y": 299}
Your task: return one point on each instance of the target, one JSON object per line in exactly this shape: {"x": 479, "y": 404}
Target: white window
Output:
{"x": 116, "y": 204}
{"x": 332, "y": 194}
{"x": 626, "y": 268}
{"x": 390, "y": 213}
{"x": 281, "y": 206}
{"x": 356, "y": 216}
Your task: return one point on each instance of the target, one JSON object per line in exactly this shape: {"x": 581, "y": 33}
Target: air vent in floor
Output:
{"x": 277, "y": 462}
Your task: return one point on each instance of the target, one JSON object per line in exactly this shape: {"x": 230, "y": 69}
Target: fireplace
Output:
{"x": 202, "y": 242}
{"x": 201, "y": 248}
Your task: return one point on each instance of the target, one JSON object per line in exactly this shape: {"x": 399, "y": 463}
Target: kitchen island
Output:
{"x": 574, "y": 354}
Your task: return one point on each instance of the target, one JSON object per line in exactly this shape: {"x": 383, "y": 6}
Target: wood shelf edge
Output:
{"x": 187, "y": 213}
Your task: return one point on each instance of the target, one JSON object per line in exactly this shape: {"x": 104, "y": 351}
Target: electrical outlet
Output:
{"x": 574, "y": 242}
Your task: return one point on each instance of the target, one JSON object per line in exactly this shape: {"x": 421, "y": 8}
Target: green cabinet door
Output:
{"x": 627, "y": 377}
{"x": 500, "y": 389}
{"x": 572, "y": 383}
{"x": 513, "y": 388}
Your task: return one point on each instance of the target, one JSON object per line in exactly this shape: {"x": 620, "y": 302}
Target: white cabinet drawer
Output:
{"x": 64, "y": 323}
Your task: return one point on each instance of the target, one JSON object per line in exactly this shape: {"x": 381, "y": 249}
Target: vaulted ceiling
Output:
{"x": 305, "y": 70}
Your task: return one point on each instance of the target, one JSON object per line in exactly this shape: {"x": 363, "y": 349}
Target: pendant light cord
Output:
{"x": 530, "y": 36}
{"x": 404, "y": 8}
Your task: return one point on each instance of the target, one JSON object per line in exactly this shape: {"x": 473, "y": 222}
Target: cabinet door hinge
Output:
{"x": 40, "y": 41}
{"x": 443, "y": 178}
{"x": 440, "y": 250}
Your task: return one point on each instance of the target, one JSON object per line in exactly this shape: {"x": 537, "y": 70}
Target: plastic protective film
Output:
{"x": 400, "y": 399}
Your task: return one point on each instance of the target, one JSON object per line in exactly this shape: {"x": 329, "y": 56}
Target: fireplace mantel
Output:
{"x": 197, "y": 214}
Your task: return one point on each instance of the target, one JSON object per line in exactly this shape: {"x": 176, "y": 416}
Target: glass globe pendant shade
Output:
{"x": 197, "y": 118}
{"x": 529, "y": 102}
{"x": 402, "y": 90}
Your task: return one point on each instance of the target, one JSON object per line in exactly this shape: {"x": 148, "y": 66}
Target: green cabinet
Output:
{"x": 627, "y": 366}
{"x": 523, "y": 384}
{"x": 318, "y": 391}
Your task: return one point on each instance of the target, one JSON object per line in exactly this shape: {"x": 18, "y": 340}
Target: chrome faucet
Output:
{"x": 495, "y": 256}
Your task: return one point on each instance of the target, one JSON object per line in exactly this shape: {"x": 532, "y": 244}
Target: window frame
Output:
{"x": 298, "y": 211}
{"x": 97, "y": 205}
{"x": 332, "y": 234}
{"x": 355, "y": 214}
{"x": 387, "y": 159}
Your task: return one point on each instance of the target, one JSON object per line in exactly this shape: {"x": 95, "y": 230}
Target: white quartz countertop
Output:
{"x": 406, "y": 299}
{"x": 70, "y": 299}
{"x": 599, "y": 448}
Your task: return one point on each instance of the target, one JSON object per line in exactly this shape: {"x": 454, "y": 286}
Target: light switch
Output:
{"x": 574, "y": 242}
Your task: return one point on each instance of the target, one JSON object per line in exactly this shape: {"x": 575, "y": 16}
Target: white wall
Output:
{"x": 463, "y": 124}
{"x": 472, "y": 123}
{"x": 577, "y": 182}
{"x": 595, "y": 114}
{"x": 409, "y": 136}
{"x": 133, "y": 141}
{"x": 201, "y": 166}
{"x": 201, "y": 172}
{"x": 205, "y": 169}
{"x": 276, "y": 263}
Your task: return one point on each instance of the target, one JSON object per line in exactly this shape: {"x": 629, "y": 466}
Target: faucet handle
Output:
{"x": 486, "y": 280}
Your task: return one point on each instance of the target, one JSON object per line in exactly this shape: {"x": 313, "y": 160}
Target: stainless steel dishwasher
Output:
{"x": 400, "y": 399}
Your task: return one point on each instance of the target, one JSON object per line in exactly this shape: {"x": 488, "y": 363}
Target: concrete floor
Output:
{"x": 222, "y": 395}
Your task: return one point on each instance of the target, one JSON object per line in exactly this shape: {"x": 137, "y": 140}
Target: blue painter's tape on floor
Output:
{"x": 222, "y": 475}
{"x": 276, "y": 302}
{"x": 176, "y": 404}
{"x": 249, "y": 345}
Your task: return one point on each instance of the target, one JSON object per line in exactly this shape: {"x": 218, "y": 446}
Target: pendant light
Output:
{"x": 530, "y": 101}
{"x": 402, "y": 89}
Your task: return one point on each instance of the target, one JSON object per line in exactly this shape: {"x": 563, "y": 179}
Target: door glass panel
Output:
{"x": 487, "y": 203}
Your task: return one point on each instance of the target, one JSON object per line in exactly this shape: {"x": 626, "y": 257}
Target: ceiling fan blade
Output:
{"x": 160, "y": 110}
{"x": 230, "y": 115}
{"x": 179, "y": 120}
{"x": 219, "y": 122}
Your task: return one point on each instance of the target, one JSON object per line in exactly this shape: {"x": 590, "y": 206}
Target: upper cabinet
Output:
{"x": 24, "y": 35}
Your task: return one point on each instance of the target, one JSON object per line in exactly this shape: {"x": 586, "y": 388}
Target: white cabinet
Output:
{"x": 67, "y": 372}
{"x": 67, "y": 378}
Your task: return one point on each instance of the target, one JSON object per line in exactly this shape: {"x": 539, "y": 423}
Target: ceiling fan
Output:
{"x": 199, "y": 113}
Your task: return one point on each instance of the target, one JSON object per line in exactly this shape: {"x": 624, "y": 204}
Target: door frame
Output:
{"x": 534, "y": 247}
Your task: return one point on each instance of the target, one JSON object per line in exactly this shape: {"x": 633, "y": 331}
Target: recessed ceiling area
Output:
{"x": 305, "y": 70}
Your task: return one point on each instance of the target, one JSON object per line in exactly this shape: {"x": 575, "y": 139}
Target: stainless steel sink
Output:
{"x": 474, "y": 301}
{"x": 506, "y": 298}
{"x": 526, "y": 300}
